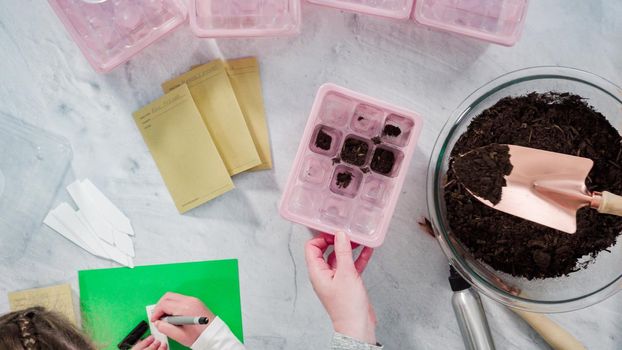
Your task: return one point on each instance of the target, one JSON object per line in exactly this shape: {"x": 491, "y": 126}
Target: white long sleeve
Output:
{"x": 217, "y": 336}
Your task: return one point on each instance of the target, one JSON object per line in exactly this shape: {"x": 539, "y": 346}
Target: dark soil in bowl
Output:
{"x": 344, "y": 179}
{"x": 323, "y": 140}
{"x": 354, "y": 152}
{"x": 382, "y": 161}
{"x": 554, "y": 122}
{"x": 483, "y": 171}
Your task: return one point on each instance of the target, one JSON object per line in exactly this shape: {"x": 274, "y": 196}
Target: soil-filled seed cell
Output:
{"x": 397, "y": 130}
{"x": 325, "y": 140}
{"x": 355, "y": 151}
{"x": 346, "y": 181}
{"x": 383, "y": 161}
{"x": 386, "y": 161}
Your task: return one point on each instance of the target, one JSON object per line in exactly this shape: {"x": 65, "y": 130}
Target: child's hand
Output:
{"x": 338, "y": 284}
{"x": 150, "y": 343}
{"x": 173, "y": 304}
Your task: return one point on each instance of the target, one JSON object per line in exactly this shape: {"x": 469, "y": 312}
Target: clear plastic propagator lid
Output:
{"x": 32, "y": 168}
{"x": 110, "y": 32}
{"x": 244, "y": 18}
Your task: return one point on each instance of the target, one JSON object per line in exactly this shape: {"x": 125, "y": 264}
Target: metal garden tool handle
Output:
{"x": 610, "y": 204}
{"x": 557, "y": 337}
{"x": 472, "y": 320}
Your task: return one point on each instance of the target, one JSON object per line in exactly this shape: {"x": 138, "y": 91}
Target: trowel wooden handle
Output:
{"x": 557, "y": 337}
{"x": 610, "y": 204}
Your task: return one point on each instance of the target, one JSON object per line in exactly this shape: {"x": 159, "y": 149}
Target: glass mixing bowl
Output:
{"x": 580, "y": 289}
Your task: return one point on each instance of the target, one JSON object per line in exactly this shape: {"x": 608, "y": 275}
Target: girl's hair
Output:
{"x": 39, "y": 329}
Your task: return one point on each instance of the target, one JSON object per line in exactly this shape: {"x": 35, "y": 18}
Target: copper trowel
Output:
{"x": 548, "y": 188}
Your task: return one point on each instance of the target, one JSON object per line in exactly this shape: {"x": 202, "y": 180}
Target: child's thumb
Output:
{"x": 343, "y": 252}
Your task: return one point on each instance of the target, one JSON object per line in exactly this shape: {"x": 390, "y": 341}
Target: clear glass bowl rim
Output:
{"x": 435, "y": 174}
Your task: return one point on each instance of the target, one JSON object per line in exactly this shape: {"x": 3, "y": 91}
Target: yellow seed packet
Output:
{"x": 55, "y": 298}
{"x": 244, "y": 77}
{"x": 183, "y": 149}
{"x": 214, "y": 97}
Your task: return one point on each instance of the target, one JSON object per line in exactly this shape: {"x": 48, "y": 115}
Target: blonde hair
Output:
{"x": 39, "y": 329}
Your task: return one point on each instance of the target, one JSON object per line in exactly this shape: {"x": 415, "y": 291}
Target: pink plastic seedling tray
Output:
{"x": 497, "y": 21}
{"x": 110, "y": 32}
{"x": 244, "y": 18}
{"x": 348, "y": 136}
{"x": 386, "y": 8}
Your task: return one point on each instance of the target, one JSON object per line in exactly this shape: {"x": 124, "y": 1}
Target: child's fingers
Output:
{"x": 343, "y": 253}
{"x": 167, "y": 307}
{"x": 330, "y": 239}
{"x": 314, "y": 255}
{"x": 164, "y": 346}
{"x": 363, "y": 259}
{"x": 143, "y": 344}
{"x": 169, "y": 330}
{"x": 332, "y": 260}
{"x": 156, "y": 344}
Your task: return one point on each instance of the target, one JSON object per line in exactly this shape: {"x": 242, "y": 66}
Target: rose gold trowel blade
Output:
{"x": 545, "y": 187}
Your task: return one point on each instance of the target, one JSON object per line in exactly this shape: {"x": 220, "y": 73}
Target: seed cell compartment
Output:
{"x": 351, "y": 165}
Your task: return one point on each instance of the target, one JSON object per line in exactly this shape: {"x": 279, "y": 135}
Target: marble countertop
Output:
{"x": 46, "y": 81}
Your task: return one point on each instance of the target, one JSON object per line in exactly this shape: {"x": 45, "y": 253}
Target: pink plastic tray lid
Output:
{"x": 497, "y": 21}
{"x": 244, "y": 18}
{"x": 110, "y": 32}
{"x": 360, "y": 204}
{"x": 400, "y": 9}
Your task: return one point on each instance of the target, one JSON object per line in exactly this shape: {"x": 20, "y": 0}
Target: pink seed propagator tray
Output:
{"x": 110, "y": 32}
{"x": 244, "y": 18}
{"x": 351, "y": 165}
{"x": 497, "y": 21}
{"x": 400, "y": 9}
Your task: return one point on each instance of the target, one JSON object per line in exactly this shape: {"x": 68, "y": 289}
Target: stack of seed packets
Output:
{"x": 209, "y": 126}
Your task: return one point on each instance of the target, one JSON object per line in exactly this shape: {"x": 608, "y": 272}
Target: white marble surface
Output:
{"x": 45, "y": 80}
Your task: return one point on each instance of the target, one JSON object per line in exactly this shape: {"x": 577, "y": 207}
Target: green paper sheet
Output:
{"x": 113, "y": 300}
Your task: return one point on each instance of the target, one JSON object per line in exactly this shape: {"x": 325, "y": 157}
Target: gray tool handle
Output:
{"x": 472, "y": 320}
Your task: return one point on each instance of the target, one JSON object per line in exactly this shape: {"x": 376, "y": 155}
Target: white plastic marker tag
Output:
{"x": 113, "y": 253}
{"x": 70, "y": 220}
{"x": 73, "y": 223}
{"x": 124, "y": 243}
{"x": 107, "y": 209}
{"x": 92, "y": 212}
{"x": 154, "y": 331}
{"x": 55, "y": 224}
{"x": 93, "y": 217}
